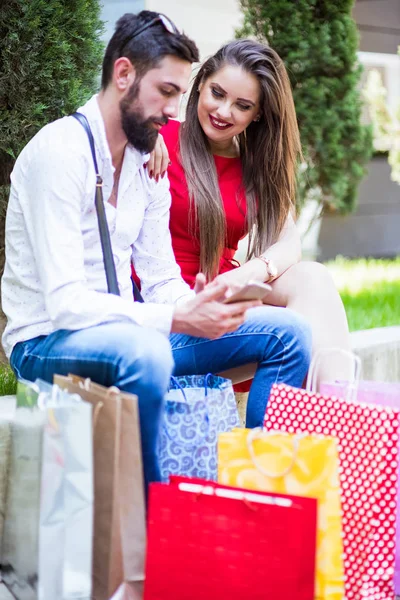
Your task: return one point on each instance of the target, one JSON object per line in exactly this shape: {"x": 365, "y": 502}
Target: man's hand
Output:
{"x": 200, "y": 283}
{"x": 206, "y": 316}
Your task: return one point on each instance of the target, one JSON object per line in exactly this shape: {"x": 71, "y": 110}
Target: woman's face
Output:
{"x": 229, "y": 101}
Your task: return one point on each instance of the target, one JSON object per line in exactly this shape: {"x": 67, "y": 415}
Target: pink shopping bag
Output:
{"x": 368, "y": 438}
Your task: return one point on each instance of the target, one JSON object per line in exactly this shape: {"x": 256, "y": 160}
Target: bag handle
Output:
{"x": 311, "y": 385}
{"x": 259, "y": 433}
{"x": 105, "y": 240}
{"x": 179, "y": 386}
{"x": 96, "y": 412}
{"x": 201, "y": 438}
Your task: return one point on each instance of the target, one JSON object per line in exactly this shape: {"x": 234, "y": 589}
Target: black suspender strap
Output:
{"x": 109, "y": 265}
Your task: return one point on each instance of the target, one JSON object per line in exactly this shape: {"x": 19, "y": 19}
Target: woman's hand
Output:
{"x": 159, "y": 159}
{"x": 238, "y": 278}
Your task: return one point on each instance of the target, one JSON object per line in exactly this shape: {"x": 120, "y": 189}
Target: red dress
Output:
{"x": 186, "y": 246}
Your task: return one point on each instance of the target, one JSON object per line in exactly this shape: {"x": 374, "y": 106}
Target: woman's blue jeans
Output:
{"x": 140, "y": 361}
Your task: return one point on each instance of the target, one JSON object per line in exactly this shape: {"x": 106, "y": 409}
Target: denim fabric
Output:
{"x": 133, "y": 358}
{"x": 277, "y": 339}
{"x": 139, "y": 360}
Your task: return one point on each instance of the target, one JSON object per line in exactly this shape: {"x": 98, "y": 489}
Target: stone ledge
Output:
{"x": 379, "y": 350}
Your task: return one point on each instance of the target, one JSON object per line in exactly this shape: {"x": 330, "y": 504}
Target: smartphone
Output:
{"x": 253, "y": 290}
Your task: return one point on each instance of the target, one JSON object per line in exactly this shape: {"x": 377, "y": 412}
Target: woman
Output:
{"x": 232, "y": 173}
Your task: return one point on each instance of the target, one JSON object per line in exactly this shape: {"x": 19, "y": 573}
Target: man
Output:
{"x": 60, "y": 320}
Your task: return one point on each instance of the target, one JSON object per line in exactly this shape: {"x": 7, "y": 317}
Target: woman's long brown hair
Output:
{"x": 269, "y": 151}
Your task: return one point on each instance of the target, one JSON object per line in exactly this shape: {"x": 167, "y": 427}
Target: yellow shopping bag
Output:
{"x": 296, "y": 464}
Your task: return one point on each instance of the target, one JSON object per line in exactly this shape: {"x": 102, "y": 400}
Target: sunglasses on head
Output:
{"x": 160, "y": 18}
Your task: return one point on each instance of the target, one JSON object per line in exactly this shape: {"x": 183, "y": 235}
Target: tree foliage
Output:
{"x": 318, "y": 39}
{"x": 50, "y": 54}
{"x": 385, "y": 121}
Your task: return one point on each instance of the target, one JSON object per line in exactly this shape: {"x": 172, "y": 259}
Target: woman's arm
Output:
{"x": 283, "y": 254}
{"x": 287, "y": 250}
{"x": 159, "y": 159}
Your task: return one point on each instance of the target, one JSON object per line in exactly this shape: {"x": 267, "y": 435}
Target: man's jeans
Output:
{"x": 141, "y": 361}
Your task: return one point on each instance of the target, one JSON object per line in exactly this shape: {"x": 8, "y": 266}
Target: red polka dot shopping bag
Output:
{"x": 368, "y": 441}
{"x": 379, "y": 394}
{"x": 296, "y": 464}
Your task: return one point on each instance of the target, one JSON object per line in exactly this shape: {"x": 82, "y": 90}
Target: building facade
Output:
{"x": 209, "y": 22}
{"x": 372, "y": 230}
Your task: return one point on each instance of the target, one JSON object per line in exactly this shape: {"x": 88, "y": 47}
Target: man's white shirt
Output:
{"x": 54, "y": 275}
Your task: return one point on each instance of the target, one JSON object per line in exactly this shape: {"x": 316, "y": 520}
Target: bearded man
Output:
{"x": 60, "y": 318}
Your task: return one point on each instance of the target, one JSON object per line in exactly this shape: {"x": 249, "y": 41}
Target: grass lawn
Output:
{"x": 370, "y": 290}
{"x": 8, "y": 384}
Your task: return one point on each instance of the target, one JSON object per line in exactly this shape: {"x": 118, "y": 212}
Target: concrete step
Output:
{"x": 379, "y": 350}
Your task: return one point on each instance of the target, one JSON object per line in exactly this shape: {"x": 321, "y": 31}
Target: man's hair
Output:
{"x": 146, "y": 49}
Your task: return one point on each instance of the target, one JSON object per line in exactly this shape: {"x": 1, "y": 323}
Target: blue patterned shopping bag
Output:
{"x": 197, "y": 409}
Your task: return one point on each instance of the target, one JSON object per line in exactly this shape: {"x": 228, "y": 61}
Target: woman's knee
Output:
{"x": 303, "y": 281}
{"x": 313, "y": 276}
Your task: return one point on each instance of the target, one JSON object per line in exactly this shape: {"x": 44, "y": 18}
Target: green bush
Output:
{"x": 317, "y": 39}
{"x": 50, "y": 54}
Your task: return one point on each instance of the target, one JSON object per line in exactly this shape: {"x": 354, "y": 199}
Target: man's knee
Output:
{"x": 156, "y": 363}
{"x": 145, "y": 363}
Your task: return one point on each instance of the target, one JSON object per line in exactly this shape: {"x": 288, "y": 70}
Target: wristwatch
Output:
{"x": 272, "y": 271}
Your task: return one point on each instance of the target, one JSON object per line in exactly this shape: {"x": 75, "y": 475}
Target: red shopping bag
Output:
{"x": 367, "y": 443}
{"x": 208, "y": 541}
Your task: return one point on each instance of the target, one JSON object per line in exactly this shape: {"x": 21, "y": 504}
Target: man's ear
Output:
{"x": 124, "y": 73}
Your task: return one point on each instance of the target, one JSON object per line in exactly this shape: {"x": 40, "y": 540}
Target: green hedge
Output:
{"x": 318, "y": 41}
{"x": 50, "y": 56}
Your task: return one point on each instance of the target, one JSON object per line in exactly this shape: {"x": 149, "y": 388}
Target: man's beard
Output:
{"x": 140, "y": 132}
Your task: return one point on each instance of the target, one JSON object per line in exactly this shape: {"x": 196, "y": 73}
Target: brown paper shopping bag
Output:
{"x": 119, "y": 509}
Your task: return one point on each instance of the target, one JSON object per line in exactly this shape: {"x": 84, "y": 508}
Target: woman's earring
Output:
{"x": 257, "y": 119}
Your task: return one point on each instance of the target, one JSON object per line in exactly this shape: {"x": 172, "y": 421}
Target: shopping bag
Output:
{"x": 197, "y": 409}
{"x": 380, "y": 394}
{"x": 368, "y": 445}
{"x": 207, "y": 541}
{"x": 7, "y": 416}
{"x": 47, "y": 543}
{"x": 129, "y": 591}
{"x": 119, "y": 507}
{"x": 299, "y": 465}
